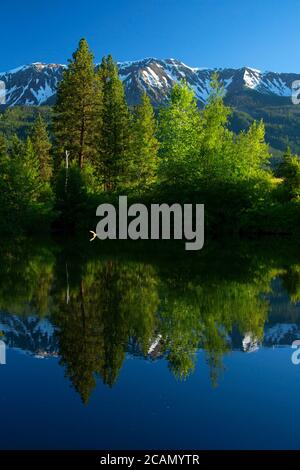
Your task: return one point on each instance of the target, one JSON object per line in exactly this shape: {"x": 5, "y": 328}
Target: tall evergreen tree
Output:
{"x": 16, "y": 148}
{"x": 286, "y": 160}
{"x": 114, "y": 142}
{"x": 144, "y": 144}
{"x": 24, "y": 199}
{"x": 77, "y": 111}
{"x": 41, "y": 146}
{"x": 3, "y": 147}
{"x": 290, "y": 171}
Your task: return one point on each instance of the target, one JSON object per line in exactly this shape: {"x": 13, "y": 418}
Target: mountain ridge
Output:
{"x": 252, "y": 94}
{"x": 35, "y": 84}
{"x": 38, "y": 337}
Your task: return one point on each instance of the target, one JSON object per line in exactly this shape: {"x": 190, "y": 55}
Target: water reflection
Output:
{"x": 91, "y": 307}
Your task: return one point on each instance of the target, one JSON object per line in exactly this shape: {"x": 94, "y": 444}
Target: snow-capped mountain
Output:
{"x": 29, "y": 334}
{"x": 37, "y": 337}
{"x": 156, "y": 77}
{"x": 31, "y": 85}
{"x": 35, "y": 84}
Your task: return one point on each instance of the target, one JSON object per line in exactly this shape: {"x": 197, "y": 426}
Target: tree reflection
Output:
{"x": 113, "y": 302}
{"x": 165, "y": 307}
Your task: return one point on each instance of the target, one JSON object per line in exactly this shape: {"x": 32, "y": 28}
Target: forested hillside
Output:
{"x": 177, "y": 153}
{"x": 252, "y": 94}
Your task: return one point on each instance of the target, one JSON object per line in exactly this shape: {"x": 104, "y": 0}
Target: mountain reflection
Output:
{"x": 92, "y": 307}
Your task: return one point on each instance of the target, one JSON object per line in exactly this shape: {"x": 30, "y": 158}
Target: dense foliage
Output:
{"x": 93, "y": 147}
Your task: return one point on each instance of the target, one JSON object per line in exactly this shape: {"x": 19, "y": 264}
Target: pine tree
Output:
{"x": 144, "y": 144}
{"x": 30, "y": 161}
{"x": 16, "y": 148}
{"x": 114, "y": 142}
{"x": 3, "y": 147}
{"x": 77, "y": 111}
{"x": 23, "y": 196}
{"x": 290, "y": 171}
{"x": 286, "y": 160}
{"x": 41, "y": 146}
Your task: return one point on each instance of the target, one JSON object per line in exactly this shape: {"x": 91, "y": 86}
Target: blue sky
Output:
{"x": 263, "y": 34}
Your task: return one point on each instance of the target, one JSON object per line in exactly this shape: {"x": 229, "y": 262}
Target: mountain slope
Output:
{"x": 251, "y": 93}
{"x": 35, "y": 84}
{"x": 38, "y": 337}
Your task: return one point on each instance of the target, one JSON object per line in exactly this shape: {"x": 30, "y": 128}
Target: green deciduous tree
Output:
{"x": 144, "y": 158}
{"x": 179, "y": 134}
{"x": 215, "y": 118}
{"x": 215, "y": 136}
{"x": 252, "y": 150}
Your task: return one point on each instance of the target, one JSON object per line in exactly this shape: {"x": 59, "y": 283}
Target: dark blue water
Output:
{"x": 185, "y": 359}
{"x": 256, "y": 405}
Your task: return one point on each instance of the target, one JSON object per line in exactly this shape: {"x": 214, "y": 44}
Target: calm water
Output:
{"x": 130, "y": 346}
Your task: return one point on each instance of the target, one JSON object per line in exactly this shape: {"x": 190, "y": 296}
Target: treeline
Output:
{"x": 97, "y": 147}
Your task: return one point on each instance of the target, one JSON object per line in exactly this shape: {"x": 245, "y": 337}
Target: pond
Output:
{"x": 132, "y": 346}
